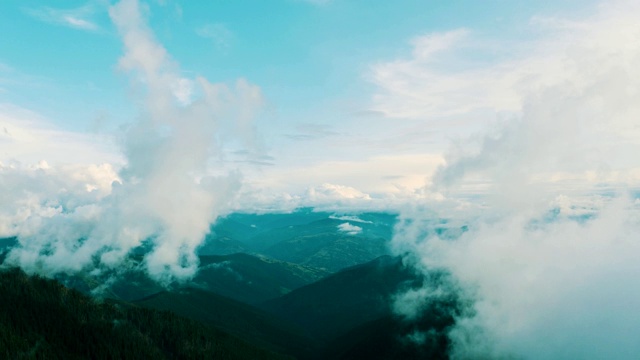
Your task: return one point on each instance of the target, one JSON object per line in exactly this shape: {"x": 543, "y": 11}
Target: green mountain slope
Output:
{"x": 322, "y": 244}
{"x": 242, "y": 320}
{"x": 252, "y": 279}
{"x": 41, "y": 319}
{"x": 345, "y": 300}
{"x": 244, "y": 230}
{"x": 248, "y": 278}
{"x": 387, "y": 338}
{"x": 329, "y": 251}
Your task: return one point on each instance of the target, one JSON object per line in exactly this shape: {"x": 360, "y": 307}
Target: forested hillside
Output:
{"x": 41, "y": 319}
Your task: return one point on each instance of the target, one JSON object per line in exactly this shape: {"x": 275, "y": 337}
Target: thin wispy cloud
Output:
{"x": 310, "y": 131}
{"x": 423, "y": 86}
{"x": 78, "y": 18}
{"x": 4, "y": 68}
{"x": 218, "y": 33}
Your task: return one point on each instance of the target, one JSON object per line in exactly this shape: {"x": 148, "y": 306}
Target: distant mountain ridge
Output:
{"x": 304, "y": 237}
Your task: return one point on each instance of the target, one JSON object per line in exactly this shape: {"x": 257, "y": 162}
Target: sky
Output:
{"x": 358, "y": 97}
{"x": 137, "y": 123}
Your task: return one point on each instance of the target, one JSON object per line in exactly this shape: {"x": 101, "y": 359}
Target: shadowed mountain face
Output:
{"x": 346, "y": 315}
{"x": 340, "y": 302}
{"x": 389, "y": 338}
{"x": 245, "y": 321}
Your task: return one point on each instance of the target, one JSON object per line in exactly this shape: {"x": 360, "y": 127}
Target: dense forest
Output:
{"x": 41, "y": 319}
{"x": 310, "y": 303}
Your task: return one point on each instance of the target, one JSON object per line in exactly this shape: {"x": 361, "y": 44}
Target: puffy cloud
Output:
{"x": 574, "y": 131}
{"x": 349, "y": 229}
{"x": 165, "y": 199}
{"x": 547, "y": 258}
{"x": 41, "y": 192}
{"x": 541, "y": 289}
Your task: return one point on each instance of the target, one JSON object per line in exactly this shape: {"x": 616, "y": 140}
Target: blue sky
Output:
{"x": 310, "y": 59}
{"x": 346, "y": 97}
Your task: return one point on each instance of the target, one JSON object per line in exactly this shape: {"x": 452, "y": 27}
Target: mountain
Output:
{"x": 242, "y": 320}
{"x": 243, "y": 277}
{"x": 222, "y": 245}
{"x": 244, "y": 229}
{"x": 252, "y": 279}
{"x": 346, "y": 315}
{"x": 125, "y": 285}
{"x": 322, "y": 245}
{"x": 389, "y": 338}
{"x": 7, "y": 243}
{"x": 312, "y": 285}
{"x": 349, "y": 313}
{"x": 319, "y": 239}
{"x": 332, "y": 306}
{"x": 42, "y": 319}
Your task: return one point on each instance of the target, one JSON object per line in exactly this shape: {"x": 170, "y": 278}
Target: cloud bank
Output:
{"x": 164, "y": 199}
{"x": 547, "y": 257}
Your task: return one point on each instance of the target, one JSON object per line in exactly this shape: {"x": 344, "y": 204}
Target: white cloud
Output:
{"x": 349, "y": 229}
{"x": 570, "y": 95}
{"x": 545, "y": 285}
{"x": 28, "y": 138}
{"x": 385, "y": 174}
{"x": 336, "y": 192}
{"x": 424, "y": 87}
{"x": 350, "y": 218}
{"x": 165, "y": 197}
{"x": 43, "y": 191}
{"x": 558, "y": 289}
{"x": 79, "y": 23}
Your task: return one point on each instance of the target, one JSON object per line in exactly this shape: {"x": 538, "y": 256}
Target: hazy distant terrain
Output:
{"x": 317, "y": 239}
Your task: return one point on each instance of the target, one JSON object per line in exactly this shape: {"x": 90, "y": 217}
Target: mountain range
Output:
{"x": 304, "y": 286}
